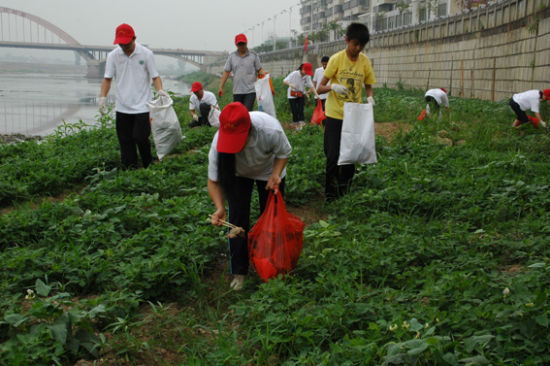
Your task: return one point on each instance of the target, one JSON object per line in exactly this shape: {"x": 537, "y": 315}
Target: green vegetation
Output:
{"x": 438, "y": 256}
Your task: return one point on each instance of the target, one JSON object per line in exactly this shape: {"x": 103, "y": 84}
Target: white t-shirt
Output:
{"x": 207, "y": 97}
{"x": 528, "y": 100}
{"x": 266, "y": 141}
{"x": 317, "y": 78}
{"x": 439, "y": 95}
{"x": 133, "y": 75}
{"x": 296, "y": 78}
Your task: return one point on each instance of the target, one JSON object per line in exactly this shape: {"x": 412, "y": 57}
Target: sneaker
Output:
{"x": 238, "y": 282}
{"x": 194, "y": 124}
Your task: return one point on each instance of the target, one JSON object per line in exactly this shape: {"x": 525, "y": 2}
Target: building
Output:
{"x": 378, "y": 15}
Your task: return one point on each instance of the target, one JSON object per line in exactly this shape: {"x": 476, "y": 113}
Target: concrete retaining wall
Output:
{"x": 488, "y": 53}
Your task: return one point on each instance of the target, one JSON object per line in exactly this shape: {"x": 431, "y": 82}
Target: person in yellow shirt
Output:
{"x": 347, "y": 71}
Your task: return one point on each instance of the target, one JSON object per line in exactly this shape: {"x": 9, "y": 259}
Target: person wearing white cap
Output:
{"x": 133, "y": 67}
{"x": 200, "y": 103}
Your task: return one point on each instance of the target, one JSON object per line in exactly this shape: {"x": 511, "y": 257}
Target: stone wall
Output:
{"x": 488, "y": 53}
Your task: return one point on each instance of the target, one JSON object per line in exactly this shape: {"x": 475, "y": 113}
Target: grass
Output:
{"x": 439, "y": 254}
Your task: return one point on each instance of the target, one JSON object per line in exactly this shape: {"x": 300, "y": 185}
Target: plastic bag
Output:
{"x": 264, "y": 96}
{"x": 422, "y": 115}
{"x": 357, "y": 143}
{"x": 275, "y": 242}
{"x": 534, "y": 121}
{"x": 165, "y": 126}
{"x": 318, "y": 113}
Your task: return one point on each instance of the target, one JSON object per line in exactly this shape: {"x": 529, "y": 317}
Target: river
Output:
{"x": 35, "y": 100}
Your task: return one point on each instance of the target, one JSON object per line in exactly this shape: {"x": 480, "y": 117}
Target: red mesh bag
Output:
{"x": 275, "y": 242}
{"x": 318, "y": 114}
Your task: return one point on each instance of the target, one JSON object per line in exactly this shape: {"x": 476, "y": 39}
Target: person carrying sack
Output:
{"x": 132, "y": 66}
{"x": 249, "y": 148}
{"x": 347, "y": 71}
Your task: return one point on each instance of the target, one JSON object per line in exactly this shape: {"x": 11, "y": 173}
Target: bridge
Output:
{"x": 19, "y": 29}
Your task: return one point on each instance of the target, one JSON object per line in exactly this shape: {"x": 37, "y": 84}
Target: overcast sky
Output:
{"x": 200, "y": 24}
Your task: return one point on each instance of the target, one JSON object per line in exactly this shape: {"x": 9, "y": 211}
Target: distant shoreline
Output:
{"x": 29, "y": 67}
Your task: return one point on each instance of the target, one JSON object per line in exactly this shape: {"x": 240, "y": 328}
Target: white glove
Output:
{"x": 196, "y": 117}
{"x": 163, "y": 93}
{"x": 338, "y": 89}
{"x": 371, "y": 101}
{"x": 427, "y": 109}
{"x": 102, "y": 105}
{"x": 292, "y": 86}
{"x": 542, "y": 123}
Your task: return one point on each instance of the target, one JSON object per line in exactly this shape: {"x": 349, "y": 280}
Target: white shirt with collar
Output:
{"x": 317, "y": 78}
{"x": 133, "y": 77}
{"x": 207, "y": 97}
{"x": 299, "y": 81}
{"x": 440, "y": 97}
{"x": 265, "y": 142}
{"x": 528, "y": 100}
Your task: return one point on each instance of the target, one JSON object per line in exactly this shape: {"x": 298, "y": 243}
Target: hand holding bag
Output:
{"x": 264, "y": 95}
{"x": 165, "y": 125}
{"x": 357, "y": 144}
{"x": 275, "y": 242}
{"x": 318, "y": 113}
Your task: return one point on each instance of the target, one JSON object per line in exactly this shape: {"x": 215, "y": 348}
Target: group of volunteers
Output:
{"x": 250, "y": 147}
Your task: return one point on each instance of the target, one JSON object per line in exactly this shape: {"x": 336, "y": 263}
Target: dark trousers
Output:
{"x": 323, "y": 101}
{"x": 337, "y": 177}
{"x": 297, "y": 108}
{"x": 520, "y": 115}
{"x": 133, "y": 131}
{"x": 239, "y": 214}
{"x": 246, "y": 99}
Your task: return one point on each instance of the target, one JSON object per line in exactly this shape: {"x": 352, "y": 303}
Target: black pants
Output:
{"x": 239, "y": 214}
{"x": 297, "y": 108}
{"x": 520, "y": 115}
{"x": 323, "y": 102}
{"x": 337, "y": 177}
{"x": 133, "y": 131}
{"x": 246, "y": 99}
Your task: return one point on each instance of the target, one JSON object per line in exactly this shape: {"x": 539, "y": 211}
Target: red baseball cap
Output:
{"x": 240, "y": 38}
{"x": 308, "y": 69}
{"x": 445, "y": 90}
{"x": 124, "y": 34}
{"x": 546, "y": 93}
{"x": 196, "y": 86}
{"x": 234, "y": 128}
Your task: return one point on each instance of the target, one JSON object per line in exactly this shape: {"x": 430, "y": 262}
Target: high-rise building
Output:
{"x": 378, "y": 15}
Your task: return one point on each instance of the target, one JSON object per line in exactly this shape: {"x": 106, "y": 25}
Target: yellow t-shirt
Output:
{"x": 352, "y": 75}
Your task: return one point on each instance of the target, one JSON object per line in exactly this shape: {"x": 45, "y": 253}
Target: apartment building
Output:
{"x": 378, "y": 15}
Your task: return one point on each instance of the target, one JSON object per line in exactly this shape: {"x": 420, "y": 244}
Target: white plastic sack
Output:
{"x": 264, "y": 96}
{"x": 357, "y": 143}
{"x": 214, "y": 117}
{"x": 165, "y": 126}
